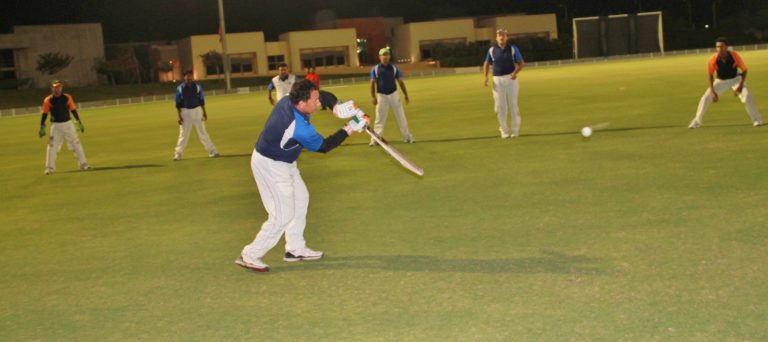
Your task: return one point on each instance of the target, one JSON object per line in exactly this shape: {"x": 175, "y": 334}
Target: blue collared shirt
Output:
{"x": 189, "y": 96}
{"x": 286, "y": 133}
{"x": 503, "y": 60}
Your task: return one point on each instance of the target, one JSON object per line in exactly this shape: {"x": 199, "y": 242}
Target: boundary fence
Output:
{"x": 361, "y": 79}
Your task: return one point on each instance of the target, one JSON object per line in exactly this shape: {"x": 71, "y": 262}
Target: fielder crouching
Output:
{"x": 273, "y": 163}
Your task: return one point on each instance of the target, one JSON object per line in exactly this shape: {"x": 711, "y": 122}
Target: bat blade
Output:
{"x": 395, "y": 153}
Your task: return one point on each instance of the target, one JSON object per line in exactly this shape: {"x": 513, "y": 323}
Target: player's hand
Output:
{"x": 513, "y": 76}
{"x": 407, "y": 100}
{"x": 80, "y": 127}
{"x": 181, "y": 121}
{"x": 358, "y": 123}
{"x": 205, "y": 117}
{"x": 41, "y": 133}
{"x": 346, "y": 110}
{"x": 715, "y": 97}
{"x": 375, "y": 101}
{"x": 737, "y": 91}
{"x": 272, "y": 101}
{"x": 486, "y": 82}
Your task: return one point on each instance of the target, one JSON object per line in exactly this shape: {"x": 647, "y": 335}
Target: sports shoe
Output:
{"x": 84, "y": 167}
{"x": 48, "y": 171}
{"x": 254, "y": 265}
{"x": 757, "y": 123}
{"x": 504, "y": 135}
{"x": 694, "y": 124}
{"x": 177, "y": 157}
{"x": 213, "y": 154}
{"x": 302, "y": 254}
{"x": 372, "y": 143}
{"x": 409, "y": 140}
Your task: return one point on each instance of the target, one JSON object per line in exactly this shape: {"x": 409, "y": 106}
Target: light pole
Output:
{"x": 225, "y": 55}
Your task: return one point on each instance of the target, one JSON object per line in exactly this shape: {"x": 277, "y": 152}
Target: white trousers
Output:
{"x": 505, "y": 92}
{"x": 720, "y": 87}
{"x": 385, "y": 102}
{"x": 59, "y": 132}
{"x": 286, "y": 199}
{"x": 193, "y": 118}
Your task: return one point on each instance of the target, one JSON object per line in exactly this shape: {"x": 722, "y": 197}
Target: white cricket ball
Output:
{"x": 586, "y": 132}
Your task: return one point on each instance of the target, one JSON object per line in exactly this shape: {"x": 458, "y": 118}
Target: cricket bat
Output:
{"x": 395, "y": 153}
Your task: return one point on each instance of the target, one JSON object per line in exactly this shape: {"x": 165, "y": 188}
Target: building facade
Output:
{"x": 21, "y": 50}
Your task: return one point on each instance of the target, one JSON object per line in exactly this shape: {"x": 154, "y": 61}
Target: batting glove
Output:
{"x": 347, "y": 110}
{"x": 41, "y": 133}
{"x": 359, "y": 123}
{"x": 80, "y": 127}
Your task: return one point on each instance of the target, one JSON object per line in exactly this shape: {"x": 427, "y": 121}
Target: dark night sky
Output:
{"x": 146, "y": 20}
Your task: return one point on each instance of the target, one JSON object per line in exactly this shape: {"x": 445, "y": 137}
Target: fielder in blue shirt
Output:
{"x": 507, "y": 62}
{"x": 287, "y": 132}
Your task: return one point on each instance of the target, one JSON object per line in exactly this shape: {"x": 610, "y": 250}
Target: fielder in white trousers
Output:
{"x": 286, "y": 199}
{"x": 193, "y": 118}
{"x": 505, "y": 91}
{"x": 721, "y": 86}
{"x": 61, "y": 131}
{"x": 384, "y": 103}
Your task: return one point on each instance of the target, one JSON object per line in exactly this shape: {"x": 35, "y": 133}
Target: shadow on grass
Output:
{"x": 549, "y": 262}
{"x": 111, "y": 168}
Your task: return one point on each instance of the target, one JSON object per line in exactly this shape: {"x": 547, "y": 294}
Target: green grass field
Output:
{"x": 647, "y": 231}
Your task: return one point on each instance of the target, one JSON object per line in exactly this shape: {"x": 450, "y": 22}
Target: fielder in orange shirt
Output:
{"x": 726, "y": 64}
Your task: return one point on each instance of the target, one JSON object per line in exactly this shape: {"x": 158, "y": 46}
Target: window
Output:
{"x": 6, "y": 58}
{"x": 242, "y": 64}
{"x": 274, "y": 61}
{"x": 325, "y": 57}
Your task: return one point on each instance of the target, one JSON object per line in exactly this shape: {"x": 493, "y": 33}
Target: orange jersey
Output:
{"x": 59, "y": 107}
{"x": 726, "y": 68}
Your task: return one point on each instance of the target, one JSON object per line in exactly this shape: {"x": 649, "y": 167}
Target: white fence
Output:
{"x": 354, "y": 80}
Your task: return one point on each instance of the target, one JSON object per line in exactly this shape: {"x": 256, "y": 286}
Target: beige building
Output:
{"x": 251, "y": 56}
{"x": 324, "y": 49}
{"x": 22, "y": 48}
{"x": 414, "y": 42}
{"x": 247, "y": 54}
{"x": 520, "y": 26}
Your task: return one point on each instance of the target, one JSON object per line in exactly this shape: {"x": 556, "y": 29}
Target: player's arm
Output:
{"x": 405, "y": 92}
{"x": 201, "y": 98}
{"x": 72, "y": 107}
{"x": 43, "y": 117}
{"x": 519, "y": 62}
{"x": 740, "y": 64}
{"x": 270, "y": 87}
{"x": 178, "y": 106}
{"x": 487, "y": 66}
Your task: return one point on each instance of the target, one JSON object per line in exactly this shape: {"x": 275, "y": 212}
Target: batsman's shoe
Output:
{"x": 302, "y": 254}
{"x": 213, "y": 154}
{"x": 504, "y": 134}
{"x": 177, "y": 157}
{"x": 256, "y": 265}
{"x": 84, "y": 167}
{"x": 694, "y": 124}
{"x": 48, "y": 171}
{"x": 373, "y": 143}
{"x": 757, "y": 123}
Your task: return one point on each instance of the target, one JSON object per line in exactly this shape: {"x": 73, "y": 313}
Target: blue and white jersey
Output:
{"x": 282, "y": 87}
{"x": 503, "y": 60}
{"x": 385, "y": 76}
{"x": 189, "y": 96}
{"x": 286, "y": 132}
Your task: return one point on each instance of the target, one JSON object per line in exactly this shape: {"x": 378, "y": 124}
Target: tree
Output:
{"x": 53, "y": 62}
{"x": 213, "y": 60}
{"x": 107, "y": 68}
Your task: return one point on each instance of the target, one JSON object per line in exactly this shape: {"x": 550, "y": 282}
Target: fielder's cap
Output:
{"x": 55, "y": 83}
{"x": 385, "y": 51}
{"x": 501, "y": 30}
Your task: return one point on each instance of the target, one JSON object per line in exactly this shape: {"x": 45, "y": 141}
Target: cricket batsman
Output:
{"x": 726, "y": 64}
{"x": 285, "y": 197}
{"x": 59, "y": 105}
